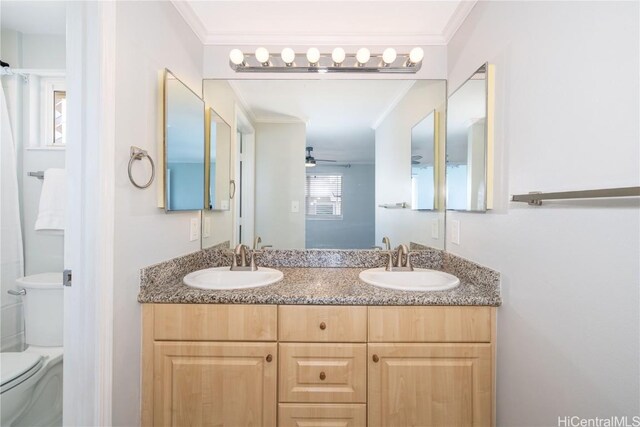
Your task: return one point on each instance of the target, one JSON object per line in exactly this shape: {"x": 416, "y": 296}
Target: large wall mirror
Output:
{"x": 184, "y": 146}
{"x": 470, "y": 143}
{"x": 328, "y": 163}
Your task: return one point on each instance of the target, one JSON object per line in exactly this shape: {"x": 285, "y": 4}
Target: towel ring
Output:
{"x": 139, "y": 154}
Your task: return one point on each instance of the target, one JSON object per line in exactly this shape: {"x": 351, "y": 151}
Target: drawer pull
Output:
{"x": 375, "y": 358}
{"x": 323, "y": 326}
{"x": 323, "y": 376}
{"x": 269, "y": 358}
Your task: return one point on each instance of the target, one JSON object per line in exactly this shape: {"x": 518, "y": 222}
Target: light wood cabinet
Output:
{"x": 215, "y": 384}
{"x": 430, "y": 385}
{"x": 261, "y": 365}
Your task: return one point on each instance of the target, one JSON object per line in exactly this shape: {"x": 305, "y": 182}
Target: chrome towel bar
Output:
{"x": 536, "y": 198}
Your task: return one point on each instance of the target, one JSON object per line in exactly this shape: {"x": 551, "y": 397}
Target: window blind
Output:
{"x": 323, "y": 196}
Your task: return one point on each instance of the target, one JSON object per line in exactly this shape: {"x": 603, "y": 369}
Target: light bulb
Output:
{"x": 416, "y": 55}
{"x": 389, "y": 55}
{"x": 362, "y": 56}
{"x": 236, "y": 56}
{"x": 338, "y": 55}
{"x": 262, "y": 55}
{"x": 288, "y": 56}
{"x": 313, "y": 55}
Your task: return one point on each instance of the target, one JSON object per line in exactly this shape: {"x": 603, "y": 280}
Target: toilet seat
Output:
{"x": 17, "y": 368}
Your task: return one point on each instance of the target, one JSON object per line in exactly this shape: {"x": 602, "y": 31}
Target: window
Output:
{"x": 323, "y": 196}
{"x": 59, "y": 118}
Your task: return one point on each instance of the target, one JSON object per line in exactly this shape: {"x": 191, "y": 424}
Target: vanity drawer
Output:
{"x": 323, "y": 414}
{"x": 304, "y": 323}
{"x": 214, "y": 322}
{"x": 323, "y": 373}
{"x": 430, "y": 324}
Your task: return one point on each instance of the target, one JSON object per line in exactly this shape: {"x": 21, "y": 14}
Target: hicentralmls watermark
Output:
{"x": 614, "y": 421}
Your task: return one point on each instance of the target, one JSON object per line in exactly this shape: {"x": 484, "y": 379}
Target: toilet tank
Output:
{"x": 43, "y": 309}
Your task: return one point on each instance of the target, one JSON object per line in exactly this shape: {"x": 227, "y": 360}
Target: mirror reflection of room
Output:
{"x": 343, "y": 149}
{"x": 468, "y": 145}
{"x": 184, "y": 146}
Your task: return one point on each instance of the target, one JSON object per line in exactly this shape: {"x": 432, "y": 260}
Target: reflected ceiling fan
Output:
{"x": 310, "y": 161}
{"x": 415, "y": 160}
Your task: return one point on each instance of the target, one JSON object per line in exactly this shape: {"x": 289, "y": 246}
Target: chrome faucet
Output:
{"x": 244, "y": 252}
{"x": 403, "y": 260}
{"x": 256, "y": 242}
{"x": 387, "y": 243}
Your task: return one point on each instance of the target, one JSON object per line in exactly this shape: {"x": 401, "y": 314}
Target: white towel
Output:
{"x": 51, "y": 214}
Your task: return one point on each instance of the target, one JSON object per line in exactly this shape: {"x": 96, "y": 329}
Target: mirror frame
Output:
{"x": 162, "y": 191}
{"x": 489, "y": 71}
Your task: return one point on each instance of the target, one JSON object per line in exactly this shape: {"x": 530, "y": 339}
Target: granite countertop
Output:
{"x": 326, "y": 285}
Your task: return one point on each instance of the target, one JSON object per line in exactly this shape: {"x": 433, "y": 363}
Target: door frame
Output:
{"x": 89, "y": 235}
{"x": 244, "y": 127}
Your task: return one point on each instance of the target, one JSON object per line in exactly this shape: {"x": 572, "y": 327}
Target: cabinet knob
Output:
{"x": 323, "y": 326}
{"x": 323, "y": 376}
{"x": 269, "y": 358}
{"x": 375, "y": 358}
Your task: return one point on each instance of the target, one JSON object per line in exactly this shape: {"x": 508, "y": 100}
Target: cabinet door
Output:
{"x": 430, "y": 385}
{"x": 215, "y": 384}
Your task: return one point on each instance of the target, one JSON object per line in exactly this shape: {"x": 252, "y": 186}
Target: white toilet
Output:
{"x": 31, "y": 389}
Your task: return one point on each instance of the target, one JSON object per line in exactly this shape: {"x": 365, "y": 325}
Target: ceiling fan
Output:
{"x": 415, "y": 160}
{"x": 310, "y": 161}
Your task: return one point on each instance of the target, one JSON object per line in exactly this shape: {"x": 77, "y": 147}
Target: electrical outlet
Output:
{"x": 435, "y": 232}
{"x": 194, "y": 229}
{"x": 295, "y": 206}
{"x": 206, "y": 231}
{"x": 455, "y": 232}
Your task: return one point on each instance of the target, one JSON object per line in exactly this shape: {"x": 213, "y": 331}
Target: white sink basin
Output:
{"x": 223, "y": 278}
{"x": 420, "y": 279}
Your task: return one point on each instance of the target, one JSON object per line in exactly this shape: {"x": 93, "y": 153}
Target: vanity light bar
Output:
{"x": 338, "y": 61}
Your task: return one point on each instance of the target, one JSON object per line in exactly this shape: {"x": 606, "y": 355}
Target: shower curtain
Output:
{"x": 11, "y": 252}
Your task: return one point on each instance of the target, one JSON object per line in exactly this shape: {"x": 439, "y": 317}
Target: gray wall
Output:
{"x": 356, "y": 230}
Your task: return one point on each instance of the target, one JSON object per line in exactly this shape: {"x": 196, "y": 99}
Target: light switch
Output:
{"x": 435, "y": 233}
{"x": 194, "y": 229}
{"x": 295, "y": 206}
{"x": 206, "y": 232}
{"x": 455, "y": 231}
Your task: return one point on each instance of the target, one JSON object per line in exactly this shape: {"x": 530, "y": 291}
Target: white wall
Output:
{"x": 566, "y": 119}
{"x": 280, "y": 178}
{"x": 393, "y": 169}
{"x": 150, "y": 37}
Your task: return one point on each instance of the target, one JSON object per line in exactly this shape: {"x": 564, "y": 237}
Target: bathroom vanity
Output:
{"x": 319, "y": 348}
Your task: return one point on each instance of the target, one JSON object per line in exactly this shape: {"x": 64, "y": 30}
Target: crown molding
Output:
{"x": 393, "y": 104}
{"x": 243, "y": 102}
{"x": 456, "y": 20}
{"x": 191, "y": 19}
{"x": 212, "y": 38}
